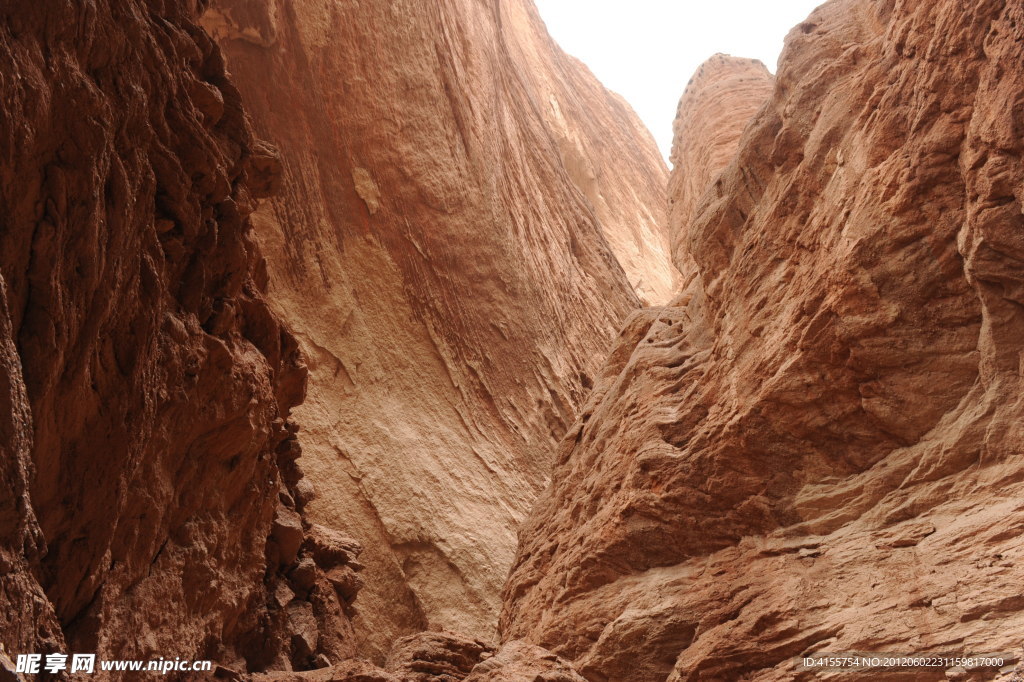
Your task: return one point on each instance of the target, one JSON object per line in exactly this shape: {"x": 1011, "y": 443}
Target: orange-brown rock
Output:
{"x": 521, "y": 662}
{"x": 436, "y": 656}
{"x": 144, "y": 383}
{"x": 27, "y": 620}
{"x": 445, "y": 657}
{"x": 819, "y": 446}
{"x": 719, "y": 101}
{"x": 346, "y": 671}
{"x": 457, "y": 196}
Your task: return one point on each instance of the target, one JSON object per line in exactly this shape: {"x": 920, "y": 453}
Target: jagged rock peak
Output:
{"x": 719, "y": 101}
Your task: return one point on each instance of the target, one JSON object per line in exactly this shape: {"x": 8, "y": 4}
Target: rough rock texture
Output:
{"x": 436, "y": 657}
{"x": 144, "y": 383}
{"x": 819, "y": 446}
{"x": 27, "y": 620}
{"x": 346, "y": 671}
{"x": 719, "y": 101}
{"x": 455, "y": 192}
{"x": 521, "y": 662}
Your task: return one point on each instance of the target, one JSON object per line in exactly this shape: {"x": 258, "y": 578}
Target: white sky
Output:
{"x": 646, "y": 50}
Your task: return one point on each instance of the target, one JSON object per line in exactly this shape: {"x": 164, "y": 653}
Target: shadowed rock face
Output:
{"x": 819, "y": 446}
{"x": 28, "y": 623}
{"x": 720, "y": 99}
{"x": 456, "y": 199}
{"x": 144, "y": 384}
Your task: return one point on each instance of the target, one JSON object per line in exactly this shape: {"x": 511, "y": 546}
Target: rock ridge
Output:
{"x": 719, "y": 101}
{"x": 817, "y": 447}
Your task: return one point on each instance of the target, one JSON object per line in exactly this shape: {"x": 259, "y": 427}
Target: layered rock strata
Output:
{"x": 819, "y": 447}
{"x": 446, "y": 245}
{"x": 436, "y": 656}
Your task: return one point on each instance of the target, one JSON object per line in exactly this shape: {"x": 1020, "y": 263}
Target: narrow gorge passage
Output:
{"x": 374, "y": 341}
{"x": 460, "y": 225}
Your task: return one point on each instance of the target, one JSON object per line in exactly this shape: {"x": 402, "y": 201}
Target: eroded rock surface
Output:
{"x": 719, "y": 101}
{"x": 346, "y": 671}
{"x": 819, "y": 447}
{"x": 27, "y": 620}
{"x": 144, "y": 384}
{"x": 456, "y": 198}
{"x": 522, "y": 662}
{"x": 436, "y": 656}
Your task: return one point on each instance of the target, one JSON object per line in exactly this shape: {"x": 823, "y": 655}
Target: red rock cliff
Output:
{"x": 144, "y": 384}
{"x": 713, "y": 112}
{"x": 457, "y": 197}
{"x": 820, "y": 448}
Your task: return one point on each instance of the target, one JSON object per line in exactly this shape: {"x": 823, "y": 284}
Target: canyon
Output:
{"x": 374, "y": 342}
{"x": 817, "y": 446}
{"x": 462, "y": 222}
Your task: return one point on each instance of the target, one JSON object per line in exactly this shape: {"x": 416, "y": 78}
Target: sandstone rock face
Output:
{"x": 436, "y": 657}
{"x": 456, "y": 198}
{"x": 716, "y": 107}
{"x": 521, "y": 662}
{"x": 347, "y": 671}
{"x": 607, "y": 152}
{"x": 144, "y": 383}
{"x": 818, "y": 447}
{"x": 27, "y": 620}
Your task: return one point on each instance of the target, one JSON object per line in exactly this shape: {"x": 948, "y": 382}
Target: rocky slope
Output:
{"x": 719, "y": 101}
{"x": 438, "y": 657}
{"x": 819, "y": 446}
{"x": 456, "y": 198}
{"x": 144, "y": 383}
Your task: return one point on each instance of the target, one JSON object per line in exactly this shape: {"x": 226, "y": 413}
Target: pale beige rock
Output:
{"x": 606, "y": 150}
{"x": 819, "y": 447}
{"x": 457, "y": 198}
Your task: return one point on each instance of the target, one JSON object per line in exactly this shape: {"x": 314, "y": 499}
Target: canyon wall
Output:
{"x": 456, "y": 198}
{"x": 719, "y": 101}
{"x": 144, "y": 383}
{"x": 28, "y": 620}
{"x": 816, "y": 445}
{"x": 819, "y": 446}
